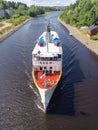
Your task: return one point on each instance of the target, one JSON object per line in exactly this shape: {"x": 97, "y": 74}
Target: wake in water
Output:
{"x": 37, "y": 99}
{"x": 40, "y": 107}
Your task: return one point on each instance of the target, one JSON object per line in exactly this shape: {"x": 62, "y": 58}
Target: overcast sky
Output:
{"x": 46, "y": 2}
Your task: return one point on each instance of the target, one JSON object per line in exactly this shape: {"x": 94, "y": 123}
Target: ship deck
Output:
{"x": 47, "y": 80}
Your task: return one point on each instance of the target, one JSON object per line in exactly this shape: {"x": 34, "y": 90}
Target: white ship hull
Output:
{"x": 45, "y": 94}
{"x": 47, "y": 65}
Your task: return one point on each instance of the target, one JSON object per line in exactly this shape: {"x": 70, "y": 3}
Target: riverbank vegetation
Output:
{"x": 95, "y": 37}
{"x": 17, "y": 12}
{"x": 20, "y": 11}
{"x": 82, "y": 13}
{"x": 4, "y": 30}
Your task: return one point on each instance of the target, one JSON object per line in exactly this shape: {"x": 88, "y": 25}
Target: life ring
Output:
{"x": 51, "y": 82}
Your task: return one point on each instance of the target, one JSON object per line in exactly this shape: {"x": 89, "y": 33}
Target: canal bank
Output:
{"x": 12, "y": 30}
{"x": 84, "y": 39}
{"x": 73, "y": 106}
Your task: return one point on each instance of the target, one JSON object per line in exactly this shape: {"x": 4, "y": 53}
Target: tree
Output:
{"x": 83, "y": 12}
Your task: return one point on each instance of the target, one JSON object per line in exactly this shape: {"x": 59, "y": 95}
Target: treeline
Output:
{"x": 21, "y": 9}
{"x": 81, "y": 13}
{"x": 12, "y": 5}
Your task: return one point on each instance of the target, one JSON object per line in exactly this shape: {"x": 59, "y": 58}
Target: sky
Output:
{"x": 46, "y": 2}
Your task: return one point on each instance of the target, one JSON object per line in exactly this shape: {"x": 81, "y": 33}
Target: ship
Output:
{"x": 47, "y": 64}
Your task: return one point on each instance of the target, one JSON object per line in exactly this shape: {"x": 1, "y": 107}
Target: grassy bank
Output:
{"x": 18, "y": 20}
{"x": 14, "y": 26}
{"x": 1, "y": 24}
{"x": 6, "y": 29}
{"x": 13, "y": 22}
{"x": 82, "y": 37}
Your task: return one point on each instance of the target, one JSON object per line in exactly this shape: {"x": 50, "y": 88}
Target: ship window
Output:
{"x": 46, "y": 59}
{"x": 59, "y": 55}
{"x": 43, "y": 62}
{"x": 50, "y": 62}
{"x": 50, "y": 67}
{"x": 50, "y": 71}
{"x": 45, "y": 67}
{"x": 47, "y": 71}
{"x": 55, "y": 58}
{"x": 40, "y": 62}
{"x": 37, "y": 58}
{"x": 51, "y": 58}
{"x": 46, "y": 62}
{"x": 42, "y": 58}
{"x": 41, "y": 67}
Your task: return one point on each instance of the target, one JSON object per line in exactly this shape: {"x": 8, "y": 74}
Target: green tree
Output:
{"x": 83, "y": 12}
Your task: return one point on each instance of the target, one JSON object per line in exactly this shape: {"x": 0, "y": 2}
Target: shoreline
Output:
{"x": 11, "y": 31}
{"x": 85, "y": 40}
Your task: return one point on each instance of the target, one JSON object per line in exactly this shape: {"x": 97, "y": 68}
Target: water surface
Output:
{"x": 74, "y": 105}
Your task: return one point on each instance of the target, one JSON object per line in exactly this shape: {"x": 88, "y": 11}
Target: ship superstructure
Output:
{"x": 47, "y": 64}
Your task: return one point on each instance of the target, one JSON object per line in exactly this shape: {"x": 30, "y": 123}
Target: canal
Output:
{"x": 74, "y": 105}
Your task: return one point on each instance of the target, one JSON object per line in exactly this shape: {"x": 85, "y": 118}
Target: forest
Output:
{"x": 19, "y": 12}
{"x": 21, "y": 9}
{"x": 81, "y": 13}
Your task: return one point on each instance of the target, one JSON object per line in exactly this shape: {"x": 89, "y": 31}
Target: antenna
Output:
{"x": 48, "y": 30}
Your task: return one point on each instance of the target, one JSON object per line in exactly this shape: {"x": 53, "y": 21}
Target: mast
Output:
{"x": 48, "y": 34}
